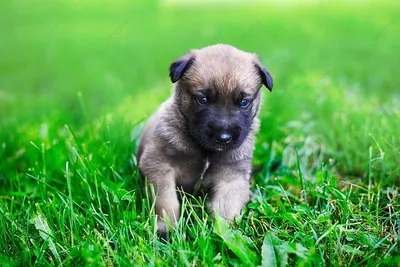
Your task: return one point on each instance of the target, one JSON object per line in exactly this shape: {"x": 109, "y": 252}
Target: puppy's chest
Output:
{"x": 189, "y": 165}
{"x": 188, "y": 168}
{"x": 189, "y": 177}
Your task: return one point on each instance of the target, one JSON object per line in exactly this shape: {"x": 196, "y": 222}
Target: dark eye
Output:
{"x": 202, "y": 100}
{"x": 244, "y": 103}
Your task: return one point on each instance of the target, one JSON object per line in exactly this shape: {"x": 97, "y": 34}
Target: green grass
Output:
{"x": 77, "y": 80}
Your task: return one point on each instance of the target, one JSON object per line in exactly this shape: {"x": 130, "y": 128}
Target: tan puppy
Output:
{"x": 205, "y": 130}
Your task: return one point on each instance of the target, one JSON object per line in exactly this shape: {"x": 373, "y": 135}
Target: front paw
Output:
{"x": 165, "y": 225}
{"x": 229, "y": 200}
{"x": 161, "y": 226}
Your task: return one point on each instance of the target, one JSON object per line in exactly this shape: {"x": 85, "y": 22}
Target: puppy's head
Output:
{"x": 217, "y": 91}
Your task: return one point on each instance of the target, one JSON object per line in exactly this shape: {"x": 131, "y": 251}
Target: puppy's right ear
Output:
{"x": 178, "y": 67}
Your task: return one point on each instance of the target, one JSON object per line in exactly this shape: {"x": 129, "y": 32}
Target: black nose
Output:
{"x": 223, "y": 137}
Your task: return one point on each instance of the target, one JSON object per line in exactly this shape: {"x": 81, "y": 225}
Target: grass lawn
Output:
{"x": 77, "y": 81}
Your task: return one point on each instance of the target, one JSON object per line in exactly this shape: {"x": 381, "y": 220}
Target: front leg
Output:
{"x": 229, "y": 183}
{"x": 167, "y": 206}
{"x": 167, "y": 203}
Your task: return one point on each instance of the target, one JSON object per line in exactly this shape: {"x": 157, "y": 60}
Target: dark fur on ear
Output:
{"x": 266, "y": 78}
{"x": 178, "y": 67}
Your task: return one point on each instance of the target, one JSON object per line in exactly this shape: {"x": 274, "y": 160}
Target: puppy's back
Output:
{"x": 148, "y": 133}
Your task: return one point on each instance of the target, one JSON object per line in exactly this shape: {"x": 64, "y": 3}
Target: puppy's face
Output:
{"x": 218, "y": 94}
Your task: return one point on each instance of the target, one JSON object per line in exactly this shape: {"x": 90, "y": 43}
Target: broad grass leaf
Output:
{"x": 273, "y": 252}
{"x": 42, "y": 226}
{"x": 370, "y": 240}
{"x": 297, "y": 249}
{"x": 352, "y": 250}
{"x": 324, "y": 217}
{"x": 236, "y": 241}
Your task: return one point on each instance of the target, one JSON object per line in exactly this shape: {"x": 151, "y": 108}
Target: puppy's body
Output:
{"x": 205, "y": 129}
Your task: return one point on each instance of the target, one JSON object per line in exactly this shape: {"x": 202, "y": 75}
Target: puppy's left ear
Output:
{"x": 180, "y": 66}
{"x": 266, "y": 77}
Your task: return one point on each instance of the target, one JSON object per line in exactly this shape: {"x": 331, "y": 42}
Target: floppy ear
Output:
{"x": 266, "y": 78}
{"x": 178, "y": 67}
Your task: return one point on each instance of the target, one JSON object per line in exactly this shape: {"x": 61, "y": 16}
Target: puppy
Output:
{"x": 205, "y": 130}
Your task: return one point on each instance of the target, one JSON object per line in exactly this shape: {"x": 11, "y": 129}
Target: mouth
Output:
{"x": 224, "y": 148}
{"x": 207, "y": 142}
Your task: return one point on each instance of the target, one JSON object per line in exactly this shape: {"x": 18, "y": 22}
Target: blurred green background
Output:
{"x": 335, "y": 66}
